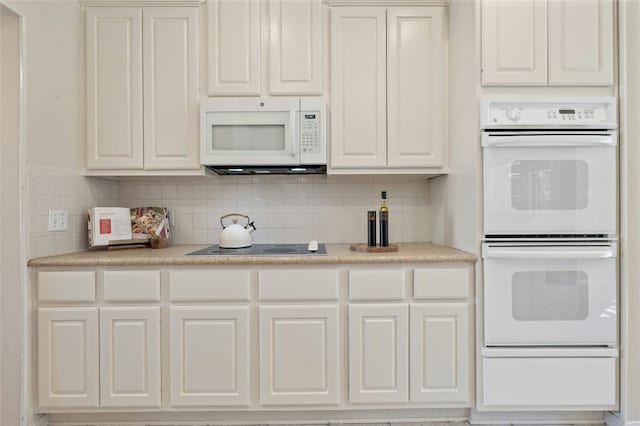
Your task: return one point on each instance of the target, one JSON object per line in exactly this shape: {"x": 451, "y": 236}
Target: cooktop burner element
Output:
{"x": 260, "y": 250}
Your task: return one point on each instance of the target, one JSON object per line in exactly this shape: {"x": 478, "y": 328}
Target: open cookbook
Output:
{"x": 121, "y": 225}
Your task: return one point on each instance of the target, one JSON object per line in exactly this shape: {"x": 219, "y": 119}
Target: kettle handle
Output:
{"x": 233, "y": 214}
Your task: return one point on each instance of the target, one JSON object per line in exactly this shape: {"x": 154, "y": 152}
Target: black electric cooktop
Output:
{"x": 261, "y": 250}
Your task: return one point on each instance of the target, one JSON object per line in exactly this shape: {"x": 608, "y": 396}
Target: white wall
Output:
{"x": 10, "y": 255}
{"x": 54, "y": 65}
{"x": 55, "y": 131}
{"x": 630, "y": 206}
{"x": 456, "y": 198}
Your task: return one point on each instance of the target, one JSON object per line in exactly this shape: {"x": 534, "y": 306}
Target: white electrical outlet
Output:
{"x": 58, "y": 220}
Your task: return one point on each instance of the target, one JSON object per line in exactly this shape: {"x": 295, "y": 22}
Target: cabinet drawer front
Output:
{"x": 132, "y": 286}
{"x": 441, "y": 283}
{"x": 550, "y": 382}
{"x": 308, "y": 284}
{"x": 67, "y": 286}
{"x": 376, "y": 285}
{"x": 201, "y": 286}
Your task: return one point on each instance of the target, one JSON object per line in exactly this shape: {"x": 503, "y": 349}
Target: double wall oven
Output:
{"x": 549, "y": 254}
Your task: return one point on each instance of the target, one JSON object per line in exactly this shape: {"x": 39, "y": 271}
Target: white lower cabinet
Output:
{"x": 299, "y": 354}
{"x": 440, "y": 358}
{"x": 209, "y": 355}
{"x": 235, "y": 339}
{"x": 130, "y": 356}
{"x": 68, "y": 357}
{"x": 378, "y": 353}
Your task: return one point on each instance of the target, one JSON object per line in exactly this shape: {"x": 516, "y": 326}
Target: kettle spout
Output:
{"x": 251, "y": 227}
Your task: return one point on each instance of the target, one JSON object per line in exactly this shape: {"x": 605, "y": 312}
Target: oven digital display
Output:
{"x": 310, "y": 116}
{"x": 567, "y": 111}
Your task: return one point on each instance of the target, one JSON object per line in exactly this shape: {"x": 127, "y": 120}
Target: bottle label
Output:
{"x": 384, "y": 215}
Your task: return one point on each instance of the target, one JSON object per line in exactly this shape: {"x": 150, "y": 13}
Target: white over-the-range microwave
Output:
{"x": 283, "y": 135}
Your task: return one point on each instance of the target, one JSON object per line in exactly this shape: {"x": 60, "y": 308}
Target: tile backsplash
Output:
{"x": 286, "y": 208}
{"x": 51, "y": 188}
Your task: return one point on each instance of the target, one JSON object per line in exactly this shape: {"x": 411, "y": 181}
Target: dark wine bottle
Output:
{"x": 371, "y": 228}
{"x": 384, "y": 221}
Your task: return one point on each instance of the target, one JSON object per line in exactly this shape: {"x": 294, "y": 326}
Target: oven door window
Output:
{"x": 549, "y": 184}
{"x": 550, "y": 296}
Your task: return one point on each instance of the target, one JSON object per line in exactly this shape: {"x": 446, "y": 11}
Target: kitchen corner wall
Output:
{"x": 286, "y": 209}
{"x": 52, "y": 188}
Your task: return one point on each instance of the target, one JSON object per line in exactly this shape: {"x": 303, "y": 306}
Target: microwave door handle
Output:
{"x": 546, "y": 253}
{"x": 295, "y": 130}
{"x": 548, "y": 140}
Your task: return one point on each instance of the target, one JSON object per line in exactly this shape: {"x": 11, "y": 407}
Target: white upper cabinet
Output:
{"x": 170, "y": 46}
{"x": 234, "y": 50}
{"x": 580, "y": 42}
{"x": 358, "y": 87}
{"x": 388, "y": 89}
{"x": 142, "y": 56}
{"x": 554, "y": 43}
{"x": 514, "y": 42}
{"x": 295, "y": 47}
{"x": 416, "y": 87}
{"x": 272, "y": 47}
{"x": 114, "y": 88}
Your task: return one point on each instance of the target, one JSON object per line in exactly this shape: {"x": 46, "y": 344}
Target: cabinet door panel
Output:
{"x": 130, "y": 357}
{"x": 299, "y": 352}
{"x": 234, "y": 47}
{"x": 580, "y": 42}
{"x": 68, "y": 357}
{"x": 416, "y": 87}
{"x": 358, "y": 87}
{"x": 209, "y": 356}
{"x": 114, "y": 88}
{"x": 171, "y": 138}
{"x": 514, "y": 42}
{"x": 295, "y": 47}
{"x": 378, "y": 353}
{"x": 440, "y": 353}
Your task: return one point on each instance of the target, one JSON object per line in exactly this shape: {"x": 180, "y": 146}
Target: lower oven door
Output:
{"x": 557, "y": 295}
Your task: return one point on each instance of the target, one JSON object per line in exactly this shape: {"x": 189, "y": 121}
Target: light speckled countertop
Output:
{"x": 175, "y": 255}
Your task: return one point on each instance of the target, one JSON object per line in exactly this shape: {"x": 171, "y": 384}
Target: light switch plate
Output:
{"x": 58, "y": 220}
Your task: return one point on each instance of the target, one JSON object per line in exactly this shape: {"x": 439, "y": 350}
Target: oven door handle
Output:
{"x": 558, "y": 140}
{"x": 549, "y": 252}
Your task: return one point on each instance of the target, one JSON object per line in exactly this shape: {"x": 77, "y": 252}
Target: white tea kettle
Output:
{"x": 236, "y": 235}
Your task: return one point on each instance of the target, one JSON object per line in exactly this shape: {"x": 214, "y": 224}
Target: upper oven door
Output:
{"x": 543, "y": 183}
{"x": 251, "y": 131}
{"x": 550, "y": 295}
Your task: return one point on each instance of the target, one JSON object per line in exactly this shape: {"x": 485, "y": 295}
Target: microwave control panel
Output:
{"x": 310, "y": 131}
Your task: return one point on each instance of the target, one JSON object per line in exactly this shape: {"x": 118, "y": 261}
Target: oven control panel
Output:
{"x": 597, "y": 113}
